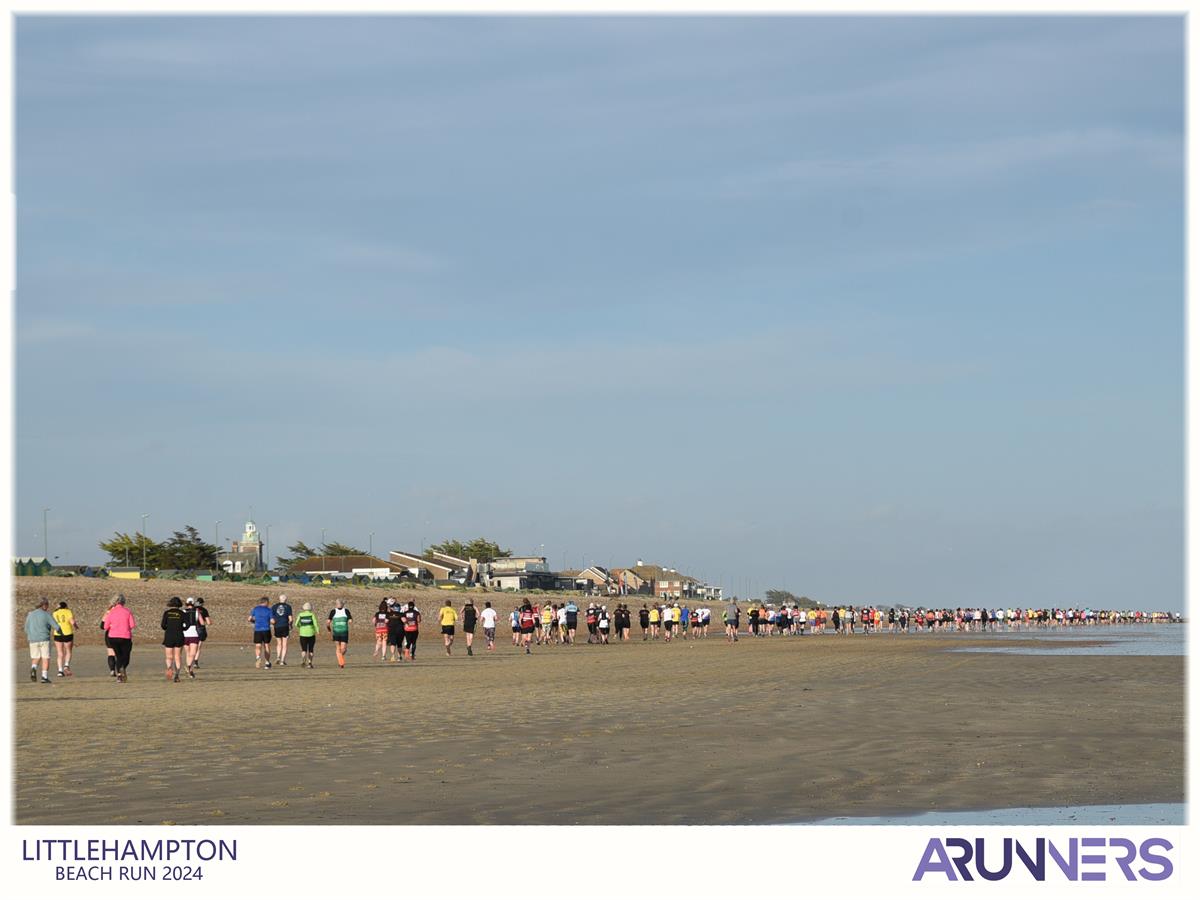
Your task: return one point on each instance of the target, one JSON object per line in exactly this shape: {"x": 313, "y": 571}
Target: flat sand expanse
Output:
{"x": 699, "y": 732}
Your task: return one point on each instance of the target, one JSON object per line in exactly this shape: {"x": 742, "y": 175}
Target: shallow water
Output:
{"x": 1119, "y": 814}
{"x": 1138, "y": 640}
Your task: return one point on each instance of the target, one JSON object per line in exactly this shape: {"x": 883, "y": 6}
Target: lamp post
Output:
{"x": 145, "y": 516}
{"x": 217, "y": 543}
{"x": 371, "y": 545}
{"x": 45, "y": 536}
{"x": 322, "y": 549}
{"x": 267, "y": 549}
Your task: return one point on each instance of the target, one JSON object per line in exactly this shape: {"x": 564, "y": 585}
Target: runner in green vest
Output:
{"x": 308, "y": 627}
{"x": 339, "y": 628}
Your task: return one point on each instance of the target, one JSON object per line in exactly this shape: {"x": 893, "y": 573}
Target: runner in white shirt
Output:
{"x": 487, "y": 618}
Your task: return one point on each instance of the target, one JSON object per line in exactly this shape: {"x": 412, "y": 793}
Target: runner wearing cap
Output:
{"x": 307, "y": 627}
{"x": 64, "y": 637}
{"x": 39, "y": 627}
{"x": 203, "y": 620}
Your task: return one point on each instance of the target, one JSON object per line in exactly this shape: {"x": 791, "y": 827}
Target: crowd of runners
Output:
{"x": 397, "y": 626}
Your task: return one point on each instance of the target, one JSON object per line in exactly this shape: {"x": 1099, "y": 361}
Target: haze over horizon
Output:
{"x": 868, "y": 309}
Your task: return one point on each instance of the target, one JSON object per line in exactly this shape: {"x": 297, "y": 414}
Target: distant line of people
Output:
{"x": 397, "y": 626}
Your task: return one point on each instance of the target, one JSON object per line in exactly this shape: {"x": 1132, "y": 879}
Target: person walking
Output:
{"x": 39, "y": 628}
{"x": 64, "y": 637}
{"x": 446, "y": 618}
{"x": 307, "y": 628}
{"x": 469, "y": 618}
{"x": 281, "y": 621}
{"x": 118, "y": 625}
{"x": 174, "y": 623}
{"x": 339, "y": 630}
{"x": 260, "y": 617}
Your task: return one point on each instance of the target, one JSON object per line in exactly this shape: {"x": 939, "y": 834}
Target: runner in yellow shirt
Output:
{"x": 64, "y": 637}
{"x": 447, "y": 617}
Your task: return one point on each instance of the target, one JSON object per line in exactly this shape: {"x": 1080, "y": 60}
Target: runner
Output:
{"x": 64, "y": 637}
{"x": 572, "y": 621}
{"x": 260, "y": 617}
{"x": 412, "y": 630}
{"x": 281, "y": 619}
{"x": 395, "y": 633}
{"x": 174, "y": 623}
{"x": 514, "y": 620}
{"x": 447, "y": 617}
{"x": 489, "y": 617}
{"x": 528, "y": 621}
{"x": 118, "y": 625}
{"x": 108, "y": 648}
{"x": 590, "y": 619}
{"x": 307, "y": 627}
{"x": 339, "y": 630}
{"x": 732, "y": 620}
{"x": 562, "y": 624}
{"x": 468, "y": 625}
{"x": 39, "y": 628}
{"x": 655, "y": 615}
{"x": 203, "y": 620}
{"x": 602, "y": 624}
{"x": 668, "y": 623}
{"x": 191, "y": 635}
{"x": 549, "y": 617}
{"x": 644, "y": 621}
{"x": 381, "y": 631}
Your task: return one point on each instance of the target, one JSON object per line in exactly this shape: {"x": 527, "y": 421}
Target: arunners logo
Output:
{"x": 1061, "y": 859}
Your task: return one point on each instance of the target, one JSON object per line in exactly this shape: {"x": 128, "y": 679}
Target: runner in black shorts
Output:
{"x": 174, "y": 622}
{"x": 468, "y": 624}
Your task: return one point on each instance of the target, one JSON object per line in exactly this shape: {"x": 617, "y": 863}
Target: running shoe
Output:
{"x": 33, "y": 674}
{"x": 191, "y": 674}
{"x": 67, "y": 670}
{"x": 176, "y": 679}
{"x": 46, "y": 680}
{"x": 526, "y": 651}
{"x": 60, "y": 673}
{"x": 469, "y": 653}
{"x": 268, "y": 665}
{"x": 258, "y": 662}
{"x": 168, "y": 674}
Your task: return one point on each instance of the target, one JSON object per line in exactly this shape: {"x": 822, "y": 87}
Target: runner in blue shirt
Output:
{"x": 261, "y": 617}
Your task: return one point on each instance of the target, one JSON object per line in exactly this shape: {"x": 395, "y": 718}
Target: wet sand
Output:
{"x": 765, "y": 731}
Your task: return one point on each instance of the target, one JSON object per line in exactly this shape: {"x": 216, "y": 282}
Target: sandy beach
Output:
{"x": 765, "y": 731}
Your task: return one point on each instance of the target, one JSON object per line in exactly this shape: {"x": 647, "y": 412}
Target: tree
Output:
{"x": 125, "y": 549}
{"x": 187, "y": 550}
{"x": 481, "y": 549}
{"x": 779, "y": 597}
{"x": 299, "y": 551}
{"x": 335, "y": 548}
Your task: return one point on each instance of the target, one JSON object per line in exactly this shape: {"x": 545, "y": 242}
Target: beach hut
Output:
{"x": 31, "y": 565}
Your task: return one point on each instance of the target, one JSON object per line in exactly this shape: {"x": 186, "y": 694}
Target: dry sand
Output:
{"x": 699, "y": 732}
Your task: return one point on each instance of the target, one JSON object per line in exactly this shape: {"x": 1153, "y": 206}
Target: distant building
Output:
{"x": 31, "y": 565}
{"x": 243, "y": 557}
{"x": 348, "y": 567}
{"x": 434, "y": 566}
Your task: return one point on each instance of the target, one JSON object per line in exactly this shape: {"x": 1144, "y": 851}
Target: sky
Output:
{"x": 873, "y": 310}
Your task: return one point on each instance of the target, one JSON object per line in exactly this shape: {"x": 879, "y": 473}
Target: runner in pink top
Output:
{"x": 118, "y": 624}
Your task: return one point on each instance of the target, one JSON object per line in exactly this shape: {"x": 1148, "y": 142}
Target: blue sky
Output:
{"x": 871, "y": 309}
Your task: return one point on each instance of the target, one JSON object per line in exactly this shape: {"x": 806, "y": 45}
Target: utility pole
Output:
{"x": 217, "y": 543}
{"x": 267, "y": 549}
{"x": 145, "y": 516}
{"x": 371, "y": 545}
{"x": 45, "y": 536}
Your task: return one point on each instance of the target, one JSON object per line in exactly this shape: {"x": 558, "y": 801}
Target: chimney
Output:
{"x": 640, "y": 563}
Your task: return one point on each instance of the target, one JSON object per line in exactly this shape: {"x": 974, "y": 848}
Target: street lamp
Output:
{"x": 322, "y": 549}
{"x": 371, "y": 545}
{"x": 217, "y": 543}
{"x": 45, "y": 536}
{"x": 267, "y": 549}
{"x": 145, "y": 516}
